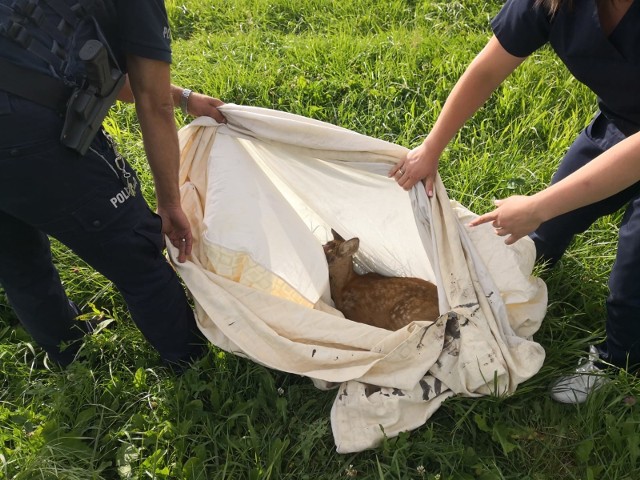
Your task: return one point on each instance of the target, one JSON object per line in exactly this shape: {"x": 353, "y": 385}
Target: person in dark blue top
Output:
{"x": 599, "y": 42}
{"x": 63, "y": 63}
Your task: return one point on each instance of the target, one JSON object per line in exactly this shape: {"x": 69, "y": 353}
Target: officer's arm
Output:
{"x": 126, "y": 95}
{"x": 151, "y": 86}
{"x": 197, "y": 104}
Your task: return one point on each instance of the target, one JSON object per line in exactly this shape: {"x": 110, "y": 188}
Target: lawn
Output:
{"x": 383, "y": 69}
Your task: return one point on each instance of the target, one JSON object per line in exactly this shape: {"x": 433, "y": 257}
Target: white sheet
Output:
{"x": 262, "y": 193}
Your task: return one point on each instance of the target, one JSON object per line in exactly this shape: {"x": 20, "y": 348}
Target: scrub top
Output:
{"x": 608, "y": 65}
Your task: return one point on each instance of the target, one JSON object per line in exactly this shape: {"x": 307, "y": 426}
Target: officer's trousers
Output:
{"x": 46, "y": 190}
{"x": 622, "y": 344}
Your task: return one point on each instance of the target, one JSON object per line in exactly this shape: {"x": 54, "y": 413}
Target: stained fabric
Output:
{"x": 264, "y": 191}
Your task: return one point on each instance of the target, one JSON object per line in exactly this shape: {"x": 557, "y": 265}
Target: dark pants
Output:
{"x": 552, "y": 238}
{"x": 48, "y": 190}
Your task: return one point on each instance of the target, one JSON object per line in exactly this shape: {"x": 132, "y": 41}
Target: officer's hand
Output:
{"x": 200, "y": 105}
{"x": 175, "y": 225}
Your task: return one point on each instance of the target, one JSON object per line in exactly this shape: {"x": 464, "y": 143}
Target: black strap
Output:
{"x": 20, "y": 34}
{"x": 68, "y": 13}
{"x": 27, "y": 14}
{"x": 32, "y": 85}
{"x": 30, "y": 10}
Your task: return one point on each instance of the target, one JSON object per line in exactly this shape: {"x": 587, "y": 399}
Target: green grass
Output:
{"x": 383, "y": 69}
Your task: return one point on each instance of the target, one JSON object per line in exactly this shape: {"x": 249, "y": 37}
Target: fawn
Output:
{"x": 374, "y": 299}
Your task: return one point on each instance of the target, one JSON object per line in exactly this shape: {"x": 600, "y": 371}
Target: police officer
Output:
{"x": 63, "y": 63}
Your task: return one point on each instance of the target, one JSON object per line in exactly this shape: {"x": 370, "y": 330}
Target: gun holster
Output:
{"x": 88, "y": 105}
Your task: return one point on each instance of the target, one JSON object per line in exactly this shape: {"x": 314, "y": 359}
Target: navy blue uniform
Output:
{"x": 610, "y": 67}
{"x": 47, "y": 189}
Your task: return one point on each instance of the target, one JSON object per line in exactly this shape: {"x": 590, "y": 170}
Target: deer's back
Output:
{"x": 388, "y": 302}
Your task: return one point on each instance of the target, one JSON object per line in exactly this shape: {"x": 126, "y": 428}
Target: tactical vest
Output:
{"x": 83, "y": 76}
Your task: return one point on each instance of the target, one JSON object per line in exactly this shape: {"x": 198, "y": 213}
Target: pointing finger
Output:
{"x": 487, "y": 217}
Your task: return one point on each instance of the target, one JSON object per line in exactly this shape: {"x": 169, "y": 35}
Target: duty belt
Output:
{"x": 34, "y": 86}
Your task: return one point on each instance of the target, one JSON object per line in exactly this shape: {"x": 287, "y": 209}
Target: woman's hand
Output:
{"x": 515, "y": 216}
{"x": 420, "y": 164}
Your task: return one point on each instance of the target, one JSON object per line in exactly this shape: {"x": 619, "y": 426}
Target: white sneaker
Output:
{"x": 577, "y": 387}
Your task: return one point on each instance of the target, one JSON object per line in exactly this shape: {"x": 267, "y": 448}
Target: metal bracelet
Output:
{"x": 184, "y": 100}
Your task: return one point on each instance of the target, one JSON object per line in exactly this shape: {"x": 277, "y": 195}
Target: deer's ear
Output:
{"x": 336, "y": 235}
{"x": 349, "y": 247}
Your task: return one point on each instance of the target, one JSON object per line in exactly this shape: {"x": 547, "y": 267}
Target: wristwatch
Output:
{"x": 184, "y": 100}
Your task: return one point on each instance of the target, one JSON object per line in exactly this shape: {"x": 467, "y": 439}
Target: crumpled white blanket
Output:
{"x": 262, "y": 193}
